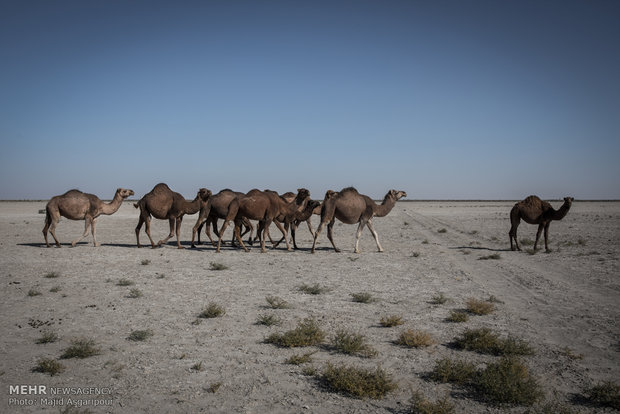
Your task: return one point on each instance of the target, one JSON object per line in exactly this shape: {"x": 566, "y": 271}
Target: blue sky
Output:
{"x": 442, "y": 99}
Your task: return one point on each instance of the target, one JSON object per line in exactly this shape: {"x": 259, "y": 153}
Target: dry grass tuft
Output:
{"x": 507, "y": 381}
{"x": 606, "y": 394}
{"x": 457, "y": 316}
{"x": 275, "y": 302}
{"x": 307, "y": 333}
{"x": 390, "y": 321}
{"x": 217, "y": 266}
{"x": 52, "y": 275}
{"x": 140, "y": 335}
{"x": 412, "y": 338}
{"x": 124, "y": 282}
{"x": 268, "y": 320}
{"x": 479, "y": 307}
{"x": 439, "y": 299}
{"x": 145, "y": 262}
{"x": 134, "y": 293}
{"x": 352, "y": 344}
{"x": 486, "y": 342}
{"x": 421, "y": 405}
{"x": 300, "y": 359}
{"x": 81, "y": 348}
{"x": 214, "y": 387}
{"x": 213, "y": 310}
{"x": 49, "y": 366}
{"x": 455, "y": 372}
{"x": 313, "y": 290}
{"x": 494, "y": 256}
{"x": 47, "y": 337}
{"x": 34, "y": 292}
{"x": 363, "y": 297}
{"x": 357, "y": 382}
{"x": 442, "y": 230}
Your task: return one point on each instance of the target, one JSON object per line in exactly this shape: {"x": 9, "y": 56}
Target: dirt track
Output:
{"x": 564, "y": 303}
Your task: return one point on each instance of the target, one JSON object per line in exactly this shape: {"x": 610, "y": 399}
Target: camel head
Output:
{"x": 330, "y": 194}
{"x": 312, "y": 204}
{"x": 396, "y": 194}
{"x": 569, "y": 200}
{"x": 124, "y": 192}
{"x": 302, "y": 195}
{"x": 204, "y": 194}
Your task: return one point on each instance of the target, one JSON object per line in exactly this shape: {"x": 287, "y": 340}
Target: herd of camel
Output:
{"x": 287, "y": 211}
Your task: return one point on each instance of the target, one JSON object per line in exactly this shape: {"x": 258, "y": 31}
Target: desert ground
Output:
{"x": 565, "y": 304}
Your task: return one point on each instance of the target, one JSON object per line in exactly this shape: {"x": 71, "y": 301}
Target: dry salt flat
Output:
{"x": 565, "y": 304}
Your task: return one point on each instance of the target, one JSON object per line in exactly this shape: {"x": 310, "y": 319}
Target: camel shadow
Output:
{"x": 479, "y": 248}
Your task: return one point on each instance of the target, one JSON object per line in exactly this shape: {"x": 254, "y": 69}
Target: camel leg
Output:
{"x": 514, "y": 224}
{"x": 217, "y": 233}
{"x": 138, "y": 227}
{"x": 198, "y": 232}
{"x": 178, "y": 231}
{"x": 374, "y": 233}
{"x": 310, "y": 227}
{"x": 238, "y": 236}
{"x": 87, "y": 224}
{"x": 46, "y": 228}
{"x": 266, "y": 225}
{"x": 547, "y": 236}
{"x": 330, "y": 227}
{"x": 147, "y": 230}
{"x": 316, "y": 235}
{"x": 286, "y": 226}
{"x": 93, "y": 228}
{"x": 284, "y": 235}
{"x": 171, "y": 221}
{"x": 540, "y": 229}
{"x": 196, "y": 229}
{"x": 294, "y": 226}
{"x": 358, "y": 234}
{"x": 54, "y": 222}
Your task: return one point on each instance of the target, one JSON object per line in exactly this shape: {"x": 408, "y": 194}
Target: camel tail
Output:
{"x": 48, "y": 216}
{"x": 136, "y": 205}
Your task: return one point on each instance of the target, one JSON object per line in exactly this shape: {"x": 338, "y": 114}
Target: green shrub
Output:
{"x": 486, "y": 342}
{"x": 357, "y": 382}
{"x": 456, "y": 372}
{"x": 507, "y": 382}
{"x": 352, "y": 344}
{"x": 307, "y": 333}
{"x": 49, "y": 366}
{"x": 213, "y": 310}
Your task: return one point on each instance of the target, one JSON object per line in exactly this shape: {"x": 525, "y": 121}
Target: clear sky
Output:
{"x": 442, "y": 99}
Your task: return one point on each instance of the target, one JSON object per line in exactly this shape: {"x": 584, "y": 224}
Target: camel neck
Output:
{"x": 192, "y": 207}
{"x": 385, "y": 207}
{"x": 561, "y": 212}
{"x": 113, "y": 206}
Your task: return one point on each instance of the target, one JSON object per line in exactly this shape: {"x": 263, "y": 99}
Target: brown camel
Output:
{"x": 76, "y": 205}
{"x": 535, "y": 211}
{"x": 264, "y": 206}
{"x": 217, "y": 208}
{"x": 163, "y": 203}
{"x": 351, "y": 207}
{"x": 312, "y": 207}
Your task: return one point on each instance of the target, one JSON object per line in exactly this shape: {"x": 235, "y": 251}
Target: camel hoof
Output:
{"x": 338, "y": 251}
{"x": 180, "y": 247}
{"x": 97, "y": 244}
{"x": 380, "y": 250}
{"x": 73, "y": 244}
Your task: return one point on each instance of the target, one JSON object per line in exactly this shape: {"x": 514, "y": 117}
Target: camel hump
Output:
{"x": 73, "y": 192}
{"x": 349, "y": 190}
{"x": 532, "y": 200}
{"x": 161, "y": 187}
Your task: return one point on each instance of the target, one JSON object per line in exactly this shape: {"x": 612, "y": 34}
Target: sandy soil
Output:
{"x": 565, "y": 304}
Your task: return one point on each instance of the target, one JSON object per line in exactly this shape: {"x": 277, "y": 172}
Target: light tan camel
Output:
{"x": 351, "y": 207}
{"x": 535, "y": 211}
{"x": 163, "y": 203}
{"x": 217, "y": 208}
{"x": 263, "y": 206}
{"x": 76, "y": 205}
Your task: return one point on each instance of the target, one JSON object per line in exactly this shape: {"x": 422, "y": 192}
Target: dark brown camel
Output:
{"x": 217, "y": 208}
{"x": 76, "y": 205}
{"x": 163, "y": 203}
{"x": 301, "y": 216}
{"x": 263, "y": 206}
{"x": 351, "y": 207}
{"x": 535, "y": 211}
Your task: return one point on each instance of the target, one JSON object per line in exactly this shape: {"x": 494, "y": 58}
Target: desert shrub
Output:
{"x": 421, "y": 405}
{"x": 456, "y": 372}
{"x": 362, "y": 297}
{"x": 197, "y": 367}
{"x": 442, "y": 230}
{"x": 134, "y": 293}
{"x": 457, "y": 316}
{"x": 140, "y": 335}
{"x": 275, "y": 302}
{"x": 439, "y": 299}
{"x": 124, "y": 282}
{"x": 214, "y": 387}
{"x": 412, "y": 338}
{"x": 145, "y": 262}
{"x": 300, "y": 359}
{"x": 55, "y": 289}
{"x": 415, "y": 254}
{"x": 479, "y": 307}
{"x": 606, "y": 394}
{"x": 312, "y": 290}
{"x": 48, "y": 366}
{"x": 268, "y": 320}
{"x": 390, "y": 321}
{"x": 212, "y": 310}
{"x": 52, "y": 275}
{"x": 507, "y": 382}
{"x": 217, "y": 266}
{"x": 34, "y": 292}
{"x": 47, "y": 337}
{"x": 527, "y": 242}
{"x": 81, "y": 348}
{"x": 352, "y": 344}
{"x": 357, "y": 382}
{"x": 551, "y": 407}
{"x": 307, "y": 333}
{"x": 485, "y": 341}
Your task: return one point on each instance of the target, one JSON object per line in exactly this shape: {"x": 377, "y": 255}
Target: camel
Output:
{"x": 76, "y": 205}
{"x": 217, "y": 208}
{"x": 351, "y": 207}
{"x": 163, "y": 203}
{"x": 535, "y": 211}
{"x": 312, "y": 207}
{"x": 264, "y": 206}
